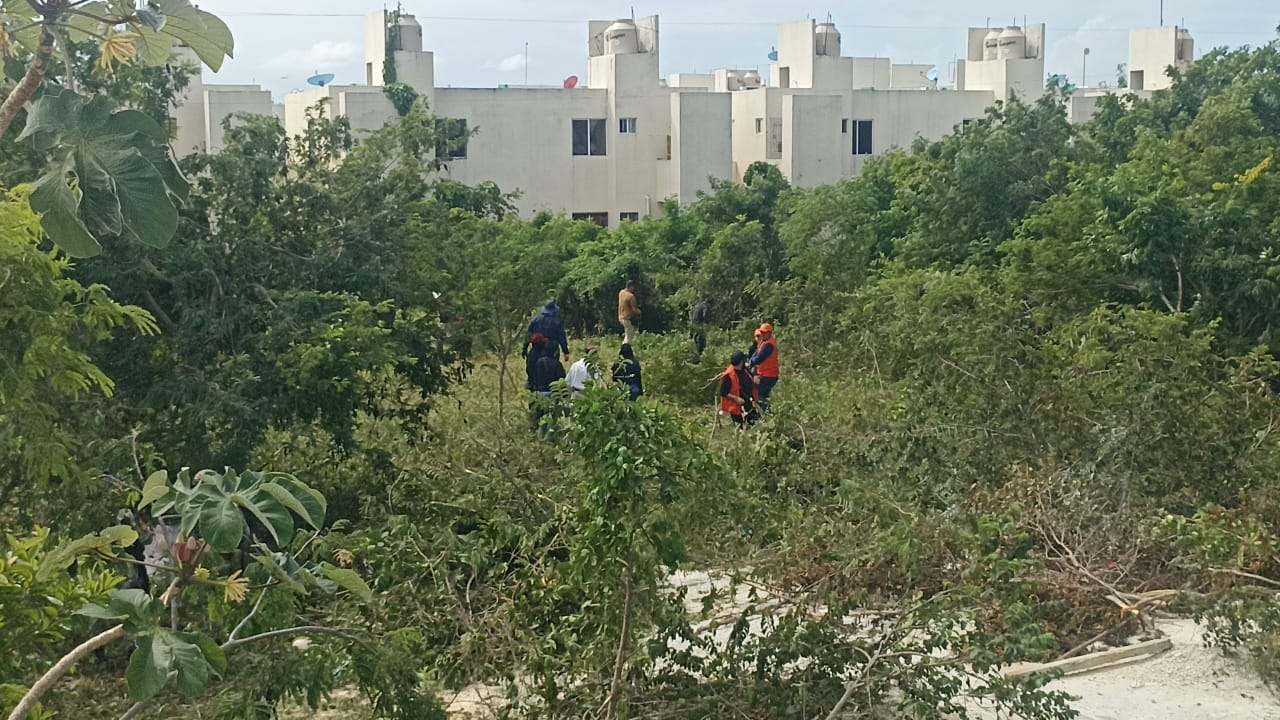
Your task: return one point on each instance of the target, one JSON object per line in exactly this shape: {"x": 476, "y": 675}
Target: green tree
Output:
{"x": 111, "y": 173}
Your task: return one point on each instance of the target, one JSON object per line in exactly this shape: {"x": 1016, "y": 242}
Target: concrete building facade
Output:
{"x": 614, "y": 147}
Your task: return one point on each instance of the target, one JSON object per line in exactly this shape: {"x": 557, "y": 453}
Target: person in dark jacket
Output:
{"x": 699, "y": 318}
{"x": 534, "y": 348}
{"x": 627, "y": 371}
{"x": 547, "y": 323}
{"x": 546, "y": 371}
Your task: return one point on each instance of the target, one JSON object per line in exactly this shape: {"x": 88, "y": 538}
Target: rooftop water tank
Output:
{"x": 622, "y": 38}
{"x": 991, "y": 45}
{"x": 407, "y": 34}
{"x": 751, "y": 80}
{"x": 1013, "y": 44}
{"x": 826, "y": 40}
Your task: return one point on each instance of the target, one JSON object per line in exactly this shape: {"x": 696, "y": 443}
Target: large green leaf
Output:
{"x": 203, "y": 32}
{"x": 221, "y": 524}
{"x": 125, "y": 180}
{"x": 312, "y": 502}
{"x": 58, "y": 202}
{"x": 62, "y": 557}
{"x": 193, "y": 670}
{"x": 156, "y": 487}
{"x": 135, "y": 608}
{"x": 292, "y": 503}
{"x": 348, "y": 580}
{"x": 273, "y": 516}
{"x": 148, "y": 668}
{"x": 212, "y": 653}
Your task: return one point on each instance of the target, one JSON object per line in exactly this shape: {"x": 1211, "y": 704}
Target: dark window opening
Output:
{"x": 451, "y": 138}
{"x": 862, "y": 137}
{"x": 589, "y": 137}
{"x": 844, "y": 126}
{"x": 627, "y": 126}
{"x": 629, "y": 217}
{"x": 599, "y": 218}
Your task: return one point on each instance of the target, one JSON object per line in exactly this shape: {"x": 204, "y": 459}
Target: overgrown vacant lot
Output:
{"x": 286, "y": 460}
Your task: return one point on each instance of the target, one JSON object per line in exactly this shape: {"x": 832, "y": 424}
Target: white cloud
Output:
{"x": 508, "y": 64}
{"x": 325, "y": 53}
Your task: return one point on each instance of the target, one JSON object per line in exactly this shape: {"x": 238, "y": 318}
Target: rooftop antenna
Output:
{"x": 1161, "y": 13}
{"x": 526, "y": 63}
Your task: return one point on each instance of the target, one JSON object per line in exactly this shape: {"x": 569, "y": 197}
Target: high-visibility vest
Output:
{"x": 769, "y": 367}
{"x": 735, "y": 388}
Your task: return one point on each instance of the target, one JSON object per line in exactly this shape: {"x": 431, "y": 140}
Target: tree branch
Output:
{"x": 230, "y": 645}
{"x": 252, "y": 611}
{"x": 30, "y": 81}
{"x": 47, "y": 680}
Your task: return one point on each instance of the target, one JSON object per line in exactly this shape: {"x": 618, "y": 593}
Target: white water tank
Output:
{"x": 751, "y": 80}
{"x": 991, "y": 45}
{"x": 1013, "y": 44}
{"x": 408, "y": 34}
{"x": 622, "y": 38}
{"x": 826, "y": 40}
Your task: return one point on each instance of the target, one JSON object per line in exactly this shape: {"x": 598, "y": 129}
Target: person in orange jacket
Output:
{"x": 764, "y": 362}
{"x": 738, "y": 390}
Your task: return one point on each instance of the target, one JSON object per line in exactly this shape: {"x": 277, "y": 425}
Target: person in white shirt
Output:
{"x": 581, "y": 372}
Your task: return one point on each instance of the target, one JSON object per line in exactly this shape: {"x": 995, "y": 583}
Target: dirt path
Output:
{"x": 1189, "y": 682}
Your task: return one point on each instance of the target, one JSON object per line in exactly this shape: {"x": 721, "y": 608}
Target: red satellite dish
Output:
{"x": 571, "y": 82}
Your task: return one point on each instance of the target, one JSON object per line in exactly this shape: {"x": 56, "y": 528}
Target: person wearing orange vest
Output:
{"x": 738, "y": 390}
{"x": 764, "y": 362}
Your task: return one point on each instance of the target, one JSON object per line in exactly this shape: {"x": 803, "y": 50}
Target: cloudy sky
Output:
{"x": 481, "y": 43}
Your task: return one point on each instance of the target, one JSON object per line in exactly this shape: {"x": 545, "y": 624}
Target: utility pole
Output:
{"x": 526, "y": 63}
{"x": 1084, "y": 68}
{"x": 1161, "y": 13}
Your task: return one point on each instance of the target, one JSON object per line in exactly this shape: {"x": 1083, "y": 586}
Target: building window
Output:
{"x": 627, "y": 126}
{"x": 844, "y": 126}
{"x": 589, "y": 137}
{"x": 629, "y": 217}
{"x": 599, "y": 218}
{"x": 862, "y": 137}
{"x": 759, "y": 125}
{"x": 451, "y": 138}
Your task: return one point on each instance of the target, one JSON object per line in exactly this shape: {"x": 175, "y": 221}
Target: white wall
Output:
{"x": 222, "y": 101}
{"x": 796, "y": 53}
{"x": 375, "y": 46}
{"x": 911, "y": 77}
{"x": 1151, "y": 52}
{"x": 812, "y": 142}
{"x": 702, "y": 146}
{"x": 190, "y": 132}
{"x": 524, "y": 142}
{"x": 704, "y": 81}
{"x": 871, "y": 73}
{"x": 297, "y": 103}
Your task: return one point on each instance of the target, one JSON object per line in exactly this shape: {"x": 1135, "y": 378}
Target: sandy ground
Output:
{"x": 1189, "y": 682}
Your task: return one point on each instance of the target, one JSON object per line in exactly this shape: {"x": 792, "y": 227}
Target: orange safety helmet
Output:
{"x": 765, "y": 328}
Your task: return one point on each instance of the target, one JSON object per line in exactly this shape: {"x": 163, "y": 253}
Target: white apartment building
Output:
{"x": 609, "y": 151}
{"x": 823, "y": 114}
{"x": 1152, "y": 51}
{"x": 613, "y": 148}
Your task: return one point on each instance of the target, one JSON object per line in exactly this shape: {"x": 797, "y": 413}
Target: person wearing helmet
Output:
{"x": 738, "y": 390}
{"x": 764, "y": 361}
